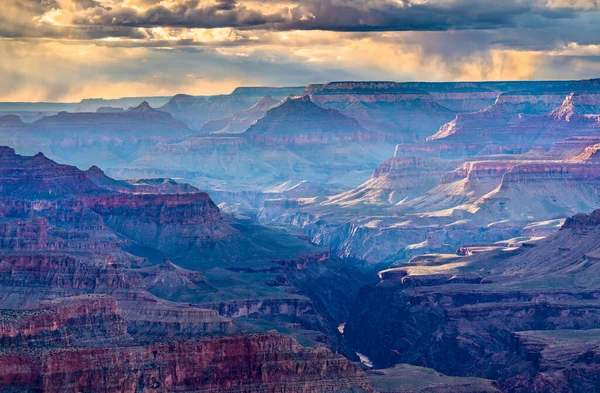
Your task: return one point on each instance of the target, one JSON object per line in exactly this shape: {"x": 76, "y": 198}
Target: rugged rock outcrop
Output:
{"x": 91, "y": 237}
{"x": 465, "y": 315}
{"x": 38, "y": 177}
{"x": 557, "y": 361}
{"x": 529, "y": 119}
{"x": 396, "y": 181}
{"x": 62, "y": 322}
{"x": 256, "y": 363}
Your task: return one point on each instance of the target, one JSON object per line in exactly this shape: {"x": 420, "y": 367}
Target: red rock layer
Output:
{"x": 249, "y": 364}
{"x": 62, "y": 322}
{"x": 189, "y": 209}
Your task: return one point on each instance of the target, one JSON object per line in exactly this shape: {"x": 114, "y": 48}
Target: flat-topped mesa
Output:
{"x": 179, "y": 100}
{"x": 141, "y": 122}
{"x": 403, "y": 114}
{"x": 143, "y": 113}
{"x": 109, "y": 109}
{"x": 188, "y": 209}
{"x": 528, "y": 103}
{"x": 7, "y": 152}
{"x": 260, "y": 91}
{"x": 299, "y": 122}
{"x": 460, "y": 96}
{"x": 349, "y": 92}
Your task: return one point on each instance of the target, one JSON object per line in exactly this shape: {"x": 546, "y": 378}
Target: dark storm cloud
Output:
{"x": 190, "y": 14}
{"x": 93, "y": 19}
{"x": 338, "y": 15}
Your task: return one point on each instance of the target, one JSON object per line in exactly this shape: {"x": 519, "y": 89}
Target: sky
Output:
{"x": 66, "y": 50}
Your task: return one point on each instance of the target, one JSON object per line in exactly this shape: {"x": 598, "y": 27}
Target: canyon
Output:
{"x": 345, "y": 236}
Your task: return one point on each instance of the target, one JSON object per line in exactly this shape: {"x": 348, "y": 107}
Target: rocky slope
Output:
{"x": 468, "y": 316}
{"x": 509, "y": 108}
{"x": 528, "y": 118}
{"x": 299, "y": 122}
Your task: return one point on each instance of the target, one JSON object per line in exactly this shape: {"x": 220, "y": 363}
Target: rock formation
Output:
{"x": 403, "y": 114}
{"x": 503, "y": 314}
{"x": 299, "y": 122}
{"x": 86, "y": 304}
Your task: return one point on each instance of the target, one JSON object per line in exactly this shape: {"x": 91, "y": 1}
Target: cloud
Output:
{"x": 67, "y": 49}
{"x": 339, "y": 15}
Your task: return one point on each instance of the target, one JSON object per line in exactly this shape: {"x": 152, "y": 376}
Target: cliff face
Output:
{"x": 395, "y": 181}
{"x": 508, "y": 109}
{"x": 529, "y": 119}
{"x": 403, "y": 114}
{"x": 257, "y": 363}
{"x": 62, "y": 322}
{"x": 541, "y": 190}
{"x": 80, "y": 343}
{"x": 557, "y": 361}
{"x": 469, "y": 316}
{"x": 187, "y": 209}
